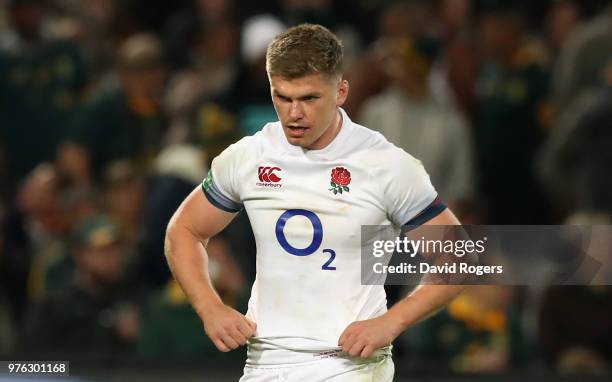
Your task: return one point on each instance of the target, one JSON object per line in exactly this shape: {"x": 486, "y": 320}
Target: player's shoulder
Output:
{"x": 270, "y": 134}
{"x": 265, "y": 139}
{"x": 376, "y": 150}
{"x": 388, "y": 165}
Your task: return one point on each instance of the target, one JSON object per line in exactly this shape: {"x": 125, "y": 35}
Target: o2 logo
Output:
{"x": 317, "y": 237}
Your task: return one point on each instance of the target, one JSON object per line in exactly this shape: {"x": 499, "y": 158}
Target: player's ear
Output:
{"x": 342, "y": 93}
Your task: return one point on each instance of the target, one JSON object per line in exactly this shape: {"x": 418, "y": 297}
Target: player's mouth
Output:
{"x": 296, "y": 131}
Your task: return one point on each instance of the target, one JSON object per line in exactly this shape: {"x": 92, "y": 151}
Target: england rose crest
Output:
{"x": 340, "y": 179}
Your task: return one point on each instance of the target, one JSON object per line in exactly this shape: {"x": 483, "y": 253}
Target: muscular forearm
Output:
{"x": 422, "y": 303}
{"x": 188, "y": 261}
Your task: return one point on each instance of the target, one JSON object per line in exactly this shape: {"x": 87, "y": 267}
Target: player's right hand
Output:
{"x": 227, "y": 328}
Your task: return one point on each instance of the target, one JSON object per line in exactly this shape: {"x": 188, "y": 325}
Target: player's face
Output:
{"x": 307, "y": 108}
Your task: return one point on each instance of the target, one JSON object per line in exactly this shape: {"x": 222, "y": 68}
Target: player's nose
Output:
{"x": 296, "y": 112}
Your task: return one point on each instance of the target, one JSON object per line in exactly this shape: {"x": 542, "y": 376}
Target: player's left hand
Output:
{"x": 362, "y": 338}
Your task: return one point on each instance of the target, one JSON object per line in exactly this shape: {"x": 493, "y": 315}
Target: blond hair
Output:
{"x": 304, "y": 50}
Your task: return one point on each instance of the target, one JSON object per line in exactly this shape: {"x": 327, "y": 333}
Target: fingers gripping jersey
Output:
{"x": 306, "y": 208}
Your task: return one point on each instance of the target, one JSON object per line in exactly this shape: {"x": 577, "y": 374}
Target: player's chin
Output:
{"x": 298, "y": 141}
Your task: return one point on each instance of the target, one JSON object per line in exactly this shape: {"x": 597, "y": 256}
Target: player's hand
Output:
{"x": 226, "y": 327}
{"x": 362, "y": 338}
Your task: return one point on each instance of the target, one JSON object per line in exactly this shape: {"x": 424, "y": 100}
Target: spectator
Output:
{"x": 123, "y": 122}
{"x": 95, "y": 314}
{"x": 510, "y": 93}
{"x": 561, "y": 19}
{"x": 197, "y": 98}
{"x": 251, "y": 92}
{"x": 208, "y": 23}
{"x": 48, "y": 220}
{"x": 94, "y": 25}
{"x": 454, "y": 74}
{"x": 368, "y": 77}
{"x": 408, "y": 115}
{"x": 583, "y": 59}
{"x": 124, "y": 191}
{"x": 406, "y": 18}
{"x": 577, "y": 154}
{"x": 41, "y": 80}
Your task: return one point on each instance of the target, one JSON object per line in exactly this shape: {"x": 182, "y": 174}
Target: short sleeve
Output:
{"x": 221, "y": 185}
{"x": 410, "y": 198}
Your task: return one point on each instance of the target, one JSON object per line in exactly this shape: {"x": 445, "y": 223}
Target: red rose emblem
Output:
{"x": 340, "y": 179}
{"x": 341, "y": 176}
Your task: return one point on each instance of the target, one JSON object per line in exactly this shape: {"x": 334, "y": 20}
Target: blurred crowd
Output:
{"x": 111, "y": 111}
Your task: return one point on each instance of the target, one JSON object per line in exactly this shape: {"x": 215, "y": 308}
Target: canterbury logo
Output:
{"x": 266, "y": 174}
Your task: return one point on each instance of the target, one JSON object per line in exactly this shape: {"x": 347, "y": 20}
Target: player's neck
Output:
{"x": 330, "y": 134}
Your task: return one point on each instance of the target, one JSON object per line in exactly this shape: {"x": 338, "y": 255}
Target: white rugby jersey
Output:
{"x": 307, "y": 223}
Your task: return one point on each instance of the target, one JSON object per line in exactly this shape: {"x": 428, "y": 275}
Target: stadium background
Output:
{"x": 110, "y": 112}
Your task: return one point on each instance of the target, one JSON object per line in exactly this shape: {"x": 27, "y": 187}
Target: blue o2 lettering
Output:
{"x": 332, "y": 255}
{"x": 317, "y": 237}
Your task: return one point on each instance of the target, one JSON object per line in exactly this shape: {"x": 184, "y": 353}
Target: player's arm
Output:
{"x": 362, "y": 338}
{"x": 425, "y": 300}
{"x": 189, "y": 230}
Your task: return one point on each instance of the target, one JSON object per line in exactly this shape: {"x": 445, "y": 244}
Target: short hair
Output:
{"x": 304, "y": 50}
